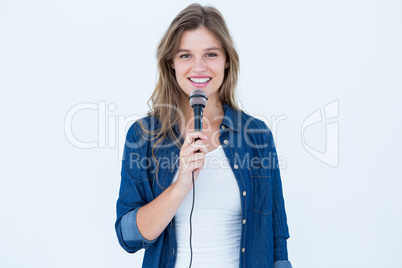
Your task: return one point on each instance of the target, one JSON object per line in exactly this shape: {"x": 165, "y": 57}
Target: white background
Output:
{"x": 57, "y": 201}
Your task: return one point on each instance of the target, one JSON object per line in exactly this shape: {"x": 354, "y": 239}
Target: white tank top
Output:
{"x": 216, "y": 219}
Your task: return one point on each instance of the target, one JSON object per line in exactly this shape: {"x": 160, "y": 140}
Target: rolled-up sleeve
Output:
{"x": 282, "y": 264}
{"x": 130, "y": 233}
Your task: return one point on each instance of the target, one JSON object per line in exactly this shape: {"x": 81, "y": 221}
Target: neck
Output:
{"x": 212, "y": 114}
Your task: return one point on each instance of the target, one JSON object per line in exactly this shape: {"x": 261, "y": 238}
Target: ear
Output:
{"x": 172, "y": 65}
{"x": 226, "y": 64}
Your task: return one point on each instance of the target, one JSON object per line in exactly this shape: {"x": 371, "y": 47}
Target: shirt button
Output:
{"x": 244, "y": 221}
{"x": 244, "y": 193}
{"x": 243, "y": 249}
{"x": 225, "y": 141}
{"x": 236, "y": 166}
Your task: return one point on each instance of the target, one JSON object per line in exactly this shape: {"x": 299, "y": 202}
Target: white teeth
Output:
{"x": 200, "y": 80}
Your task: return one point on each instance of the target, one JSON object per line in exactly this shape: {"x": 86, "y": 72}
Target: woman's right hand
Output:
{"x": 191, "y": 160}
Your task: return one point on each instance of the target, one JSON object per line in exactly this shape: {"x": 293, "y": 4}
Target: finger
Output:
{"x": 196, "y": 165}
{"x": 193, "y": 166}
{"x": 199, "y": 146}
{"x": 193, "y": 157}
{"x": 194, "y": 147}
{"x": 192, "y": 135}
{"x": 187, "y": 163}
{"x": 198, "y": 156}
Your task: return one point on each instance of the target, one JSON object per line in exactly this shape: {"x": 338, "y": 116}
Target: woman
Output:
{"x": 239, "y": 216}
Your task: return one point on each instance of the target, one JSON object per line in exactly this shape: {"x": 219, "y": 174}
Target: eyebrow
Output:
{"x": 208, "y": 49}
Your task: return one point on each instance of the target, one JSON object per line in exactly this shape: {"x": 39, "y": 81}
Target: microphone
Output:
{"x": 198, "y": 100}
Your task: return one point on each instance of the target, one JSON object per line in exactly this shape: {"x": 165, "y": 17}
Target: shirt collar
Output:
{"x": 230, "y": 118}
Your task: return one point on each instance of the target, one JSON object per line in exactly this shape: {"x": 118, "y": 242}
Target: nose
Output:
{"x": 199, "y": 65}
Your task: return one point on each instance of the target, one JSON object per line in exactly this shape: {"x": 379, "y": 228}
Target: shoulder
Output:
{"x": 242, "y": 121}
{"x": 141, "y": 133}
{"x": 252, "y": 124}
{"x": 143, "y": 126}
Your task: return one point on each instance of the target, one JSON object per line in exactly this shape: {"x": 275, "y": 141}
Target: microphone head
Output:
{"x": 198, "y": 97}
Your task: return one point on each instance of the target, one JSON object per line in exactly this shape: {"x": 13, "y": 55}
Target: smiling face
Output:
{"x": 200, "y": 62}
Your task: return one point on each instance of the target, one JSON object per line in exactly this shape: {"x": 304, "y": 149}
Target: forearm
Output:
{"x": 153, "y": 217}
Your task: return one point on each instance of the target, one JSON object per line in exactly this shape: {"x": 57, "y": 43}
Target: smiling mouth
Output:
{"x": 200, "y": 80}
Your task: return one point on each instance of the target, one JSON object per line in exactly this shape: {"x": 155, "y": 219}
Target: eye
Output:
{"x": 184, "y": 56}
{"x": 211, "y": 55}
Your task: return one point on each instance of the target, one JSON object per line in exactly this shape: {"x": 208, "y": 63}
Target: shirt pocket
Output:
{"x": 261, "y": 182}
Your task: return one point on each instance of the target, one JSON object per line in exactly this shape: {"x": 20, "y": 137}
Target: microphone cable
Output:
{"x": 191, "y": 214}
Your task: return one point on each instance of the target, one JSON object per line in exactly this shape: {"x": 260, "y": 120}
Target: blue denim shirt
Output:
{"x": 249, "y": 147}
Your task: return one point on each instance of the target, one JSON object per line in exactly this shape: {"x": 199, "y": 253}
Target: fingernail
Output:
{"x": 205, "y": 137}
